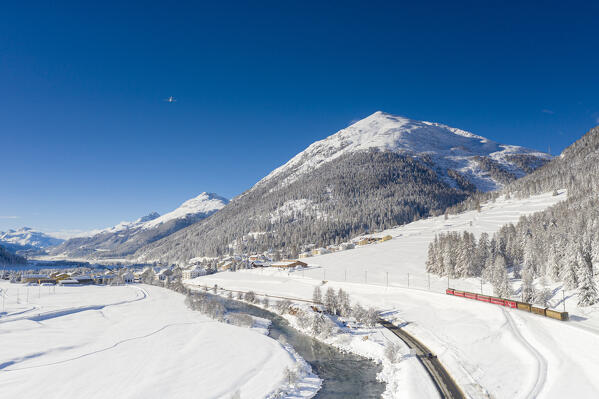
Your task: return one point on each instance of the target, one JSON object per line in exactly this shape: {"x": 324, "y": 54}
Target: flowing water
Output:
{"x": 344, "y": 375}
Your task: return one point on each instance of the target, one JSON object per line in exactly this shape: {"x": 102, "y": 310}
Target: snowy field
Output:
{"x": 491, "y": 351}
{"x": 129, "y": 342}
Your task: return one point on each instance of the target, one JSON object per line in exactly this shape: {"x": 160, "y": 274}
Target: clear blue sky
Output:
{"x": 87, "y": 139}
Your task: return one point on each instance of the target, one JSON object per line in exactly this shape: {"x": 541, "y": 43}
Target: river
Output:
{"x": 344, "y": 375}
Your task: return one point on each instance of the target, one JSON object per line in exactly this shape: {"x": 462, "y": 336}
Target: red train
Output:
{"x": 483, "y": 298}
{"x": 510, "y": 304}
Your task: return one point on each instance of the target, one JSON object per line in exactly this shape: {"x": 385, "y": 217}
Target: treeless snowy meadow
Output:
{"x": 129, "y": 342}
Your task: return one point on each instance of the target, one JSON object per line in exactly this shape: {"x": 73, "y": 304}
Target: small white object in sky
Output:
{"x": 171, "y": 99}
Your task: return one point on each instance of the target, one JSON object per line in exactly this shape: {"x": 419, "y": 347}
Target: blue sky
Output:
{"x": 88, "y": 140}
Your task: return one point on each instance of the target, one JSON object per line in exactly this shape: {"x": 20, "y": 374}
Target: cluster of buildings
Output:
{"x": 361, "y": 241}
{"x": 72, "y": 278}
{"x": 197, "y": 267}
{"x": 201, "y": 266}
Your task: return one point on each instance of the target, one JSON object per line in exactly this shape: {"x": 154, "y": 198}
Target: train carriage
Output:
{"x": 483, "y": 298}
{"x": 510, "y": 304}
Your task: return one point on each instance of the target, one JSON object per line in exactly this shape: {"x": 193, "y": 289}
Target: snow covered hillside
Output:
{"x": 126, "y": 237}
{"x": 447, "y": 147}
{"x": 101, "y": 342}
{"x": 27, "y": 238}
{"x": 382, "y": 171}
{"x": 491, "y": 351}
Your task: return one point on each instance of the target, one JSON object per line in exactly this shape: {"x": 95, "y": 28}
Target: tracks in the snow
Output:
{"x": 541, "y": 362}
{"x": 68, "y": 311}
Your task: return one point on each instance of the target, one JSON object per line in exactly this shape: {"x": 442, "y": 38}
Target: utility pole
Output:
{"x": 408, "y": 280}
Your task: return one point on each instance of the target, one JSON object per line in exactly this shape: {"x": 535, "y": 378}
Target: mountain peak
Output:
{"x": 204, "y": 204}
{"x": 148, "y": 217}
{"x": 133, "y": 235}
{"x": 451, "y": 147}
{"x": 26, "y": 238}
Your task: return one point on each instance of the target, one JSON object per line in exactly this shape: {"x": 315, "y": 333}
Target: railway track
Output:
{"x": 445, "y": 385}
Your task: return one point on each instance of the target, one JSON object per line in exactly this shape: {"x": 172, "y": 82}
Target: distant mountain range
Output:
{"x": 126, "y": 237}
{"x": 382, "y": 171}
{"x": 26, "y": 239}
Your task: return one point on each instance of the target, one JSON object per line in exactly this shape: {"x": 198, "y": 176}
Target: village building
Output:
{"x": 68, "y": 282}
{"x": 287, "y": 264}
{"x": 385, "y": 238}
{"x": 366, "y": 241}
{"x": 105, "y": 279}
{"x": 33, "y": 278}
{"x": 193, "y": 273}
{"x": 320, "y": 251}
{"x": 128, "y": 277}
{"x": 164, "y": 274}
{"x": 60, "y": 276}
{"x": 260, "y": 263}
{"x": 227, "y": 265}
{"x": 83, "y": 279}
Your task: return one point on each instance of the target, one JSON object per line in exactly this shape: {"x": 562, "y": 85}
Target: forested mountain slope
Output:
{"x": 9, "y": 258}
{"x": 127, "y": 237}
{"x": 380, "y": 172}
{"x": 560, "y": 243}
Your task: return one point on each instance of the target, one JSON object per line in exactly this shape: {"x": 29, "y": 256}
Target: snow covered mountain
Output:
{"x": 380, "y": 172}
{"x": 27, "y": 239}
{"x": 448, "y": 148}
{"x": 126, "y": 237}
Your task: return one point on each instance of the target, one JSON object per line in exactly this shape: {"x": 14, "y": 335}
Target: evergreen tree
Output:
{"x": 482, "y": 253}
{"x": 554, "y": 262}
{"x": 587, "y": 290}
{"x": 343, "y": 303}
{"x": 570, "y": 277}
{"x": 499, "y": 278}
{"x": 330, "y": 301}
{"x": 317, "y": 295}
{"x": 528, "y": 290}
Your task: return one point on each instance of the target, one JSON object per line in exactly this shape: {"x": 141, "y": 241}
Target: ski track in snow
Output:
{"x": 65, "y": 312}
{"x": 541, "y": 362}
{"x": 7, "y": 364}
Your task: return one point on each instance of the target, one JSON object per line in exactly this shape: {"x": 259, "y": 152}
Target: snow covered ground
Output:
{"x": 491, "y": 351}
{"x": 130, "y": 342}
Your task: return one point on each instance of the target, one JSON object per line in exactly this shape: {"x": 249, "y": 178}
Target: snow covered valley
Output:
{"x": 490, "y": 351}
{"x": 132, "y": 342}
